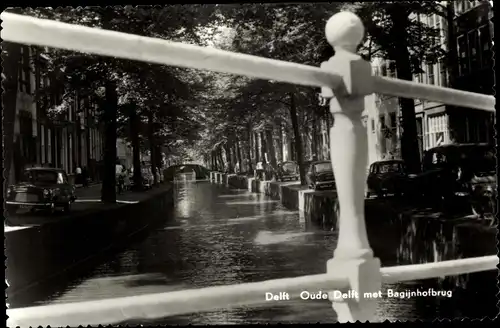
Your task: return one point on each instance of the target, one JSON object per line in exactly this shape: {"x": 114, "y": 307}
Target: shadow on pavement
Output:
{"x": 42, "y": 261}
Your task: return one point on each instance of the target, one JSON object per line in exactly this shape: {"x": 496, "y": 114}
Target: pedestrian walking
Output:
{"x": 78, "y": 172}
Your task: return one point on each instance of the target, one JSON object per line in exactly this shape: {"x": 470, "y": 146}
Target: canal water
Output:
{"x": 220, "y": 236}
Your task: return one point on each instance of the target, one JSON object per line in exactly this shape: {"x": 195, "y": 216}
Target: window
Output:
{"x": 24, "y": 71}
{"x": 323, "y": 167}
{"x": 485, "y": 46}
{"x": 42, "y": 133}
{"x": 430, "y": 74}
{"x": 467, "y": 5}
{"x": 392, "y": 117}
{"x": 373, "y": 125}
{"x": 460, "y": 6}
{"x": 49, "y": 145}
{"x": 438, "y": 130}
{"x": 473, "y": 50}
{"x": 462, "y": 55}
{"x": 381, "y": 120}
{"x": 383, "y": 70}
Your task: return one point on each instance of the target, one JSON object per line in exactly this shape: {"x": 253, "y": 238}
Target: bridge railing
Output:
{"x": 345, "y": 79}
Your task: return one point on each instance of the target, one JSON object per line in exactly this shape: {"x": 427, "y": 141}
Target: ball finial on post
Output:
{"x": 349, "y": 155}
{"x": 345, "y": 30}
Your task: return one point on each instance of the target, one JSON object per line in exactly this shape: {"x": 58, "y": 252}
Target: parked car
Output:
{"x": 387, "y": 177}
{"x": 320, "y": 176}
{"x": 41, "y": 188}
{"x": 461, "y": 173}
{"x": 288, "y": 170}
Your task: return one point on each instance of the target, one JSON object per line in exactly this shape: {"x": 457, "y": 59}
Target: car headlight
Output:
{"x": 9, "y": 191}
{"x": 46, "y": 193}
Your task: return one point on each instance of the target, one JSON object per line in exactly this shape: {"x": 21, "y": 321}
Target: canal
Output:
{"x": 220, "y": 236}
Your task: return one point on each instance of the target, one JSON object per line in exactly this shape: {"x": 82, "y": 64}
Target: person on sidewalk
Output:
{"x": 85, "y": 177}
{"x": 78, "y": 173}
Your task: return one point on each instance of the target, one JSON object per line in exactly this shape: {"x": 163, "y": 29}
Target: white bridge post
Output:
{"x": 349, "y": 154}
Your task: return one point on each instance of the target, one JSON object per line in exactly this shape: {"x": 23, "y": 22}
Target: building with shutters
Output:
{"x": 438, "y": 124}
{"x": 47, "y": 133}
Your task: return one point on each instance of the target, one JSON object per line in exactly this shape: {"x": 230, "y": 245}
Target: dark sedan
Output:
{"x": 387, "y": 177}
{"x": 461, "y": 174}
{"x": 287, "y": 171}
{"x": 320, "y": 176}
{"x": 41, "y": 188}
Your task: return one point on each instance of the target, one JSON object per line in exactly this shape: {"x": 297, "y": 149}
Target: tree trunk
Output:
{"x": 136, "y": 151}
{"x": 280, "y": 143}
{"x": 298, "y": 139}
{"x": 221, "y": 160}
{"x": 110, "y": 110}
{"x": 238, "y": 154}
{"x": 152, "y": 145}
{"x": 409, "y": 142}
{"x": 87, "y": 135}
{"x": 270, "y": 147}
{"x": 256, "y": 146}
{"x": 263, "y": 148}
{"x": 249, "y": 150}
{"x": 227, "y": 150}
{"x": 11, "y": 56}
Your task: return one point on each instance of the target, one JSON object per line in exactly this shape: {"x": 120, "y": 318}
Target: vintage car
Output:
{"x": 41, "y": 188}
{"x": 287, "y": 171}
{"x": 461, "y": 172}
{"x": 320, "y": 176}
{"x": 387, "y": 177}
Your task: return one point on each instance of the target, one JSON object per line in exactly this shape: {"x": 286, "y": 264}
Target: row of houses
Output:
{"x": 439, "y": 124}
{"x": 47, "y": 133}
{"x": 436, "y": 124}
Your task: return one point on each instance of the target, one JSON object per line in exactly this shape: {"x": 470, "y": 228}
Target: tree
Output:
{"x": 88, "y": 72}
{"x": 395, "y": 32}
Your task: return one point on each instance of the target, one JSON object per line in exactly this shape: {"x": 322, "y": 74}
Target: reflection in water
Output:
{"x": 211, "y": 241}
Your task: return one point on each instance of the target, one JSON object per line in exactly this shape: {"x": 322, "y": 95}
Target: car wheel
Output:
{"x": 32, "y": 210}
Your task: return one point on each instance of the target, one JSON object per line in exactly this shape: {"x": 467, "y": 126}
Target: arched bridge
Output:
{"x": 200, "y": 172}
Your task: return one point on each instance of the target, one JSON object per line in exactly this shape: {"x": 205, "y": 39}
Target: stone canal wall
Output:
{"x": 319, "y": 206}
{"x": 35, "y": 254}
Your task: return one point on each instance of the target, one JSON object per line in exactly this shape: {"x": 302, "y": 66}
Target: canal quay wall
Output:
{"x": 319, "y": 206}
{"x": 35, "y": 254}
{"x": 322, "y": 207}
